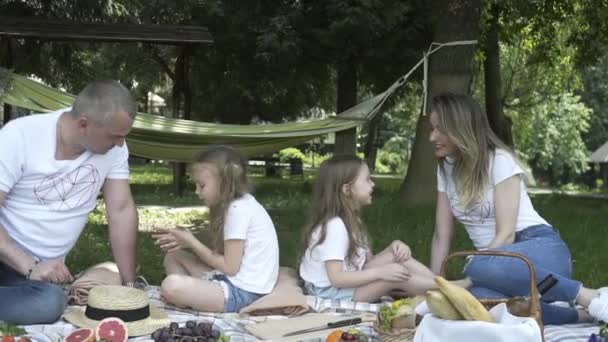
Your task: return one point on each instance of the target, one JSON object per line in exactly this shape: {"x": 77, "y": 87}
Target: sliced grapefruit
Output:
{"x": 81, "y": 335}
{"x": 111, "y": 330}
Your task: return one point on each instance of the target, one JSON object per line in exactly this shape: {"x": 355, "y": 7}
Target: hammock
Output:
{"x": 158, "y": 137}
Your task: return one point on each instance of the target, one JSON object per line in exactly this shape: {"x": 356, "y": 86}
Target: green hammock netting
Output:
{"x": 158, "y": 137}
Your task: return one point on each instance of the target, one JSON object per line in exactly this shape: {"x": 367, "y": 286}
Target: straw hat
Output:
{"x": 129, "y": 304}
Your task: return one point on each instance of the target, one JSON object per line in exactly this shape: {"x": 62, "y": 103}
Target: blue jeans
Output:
{"x": 26, "y": 302}
{"x": 237, "y": 297}
{"x": 501, "y": 277}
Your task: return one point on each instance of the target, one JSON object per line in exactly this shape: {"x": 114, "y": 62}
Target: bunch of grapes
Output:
{"x": 191, "y": 332}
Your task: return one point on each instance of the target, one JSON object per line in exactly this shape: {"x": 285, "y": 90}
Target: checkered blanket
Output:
{"x": 233, "y": 325}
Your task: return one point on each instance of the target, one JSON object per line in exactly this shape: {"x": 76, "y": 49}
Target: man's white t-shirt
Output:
{"x": 247, "y": 220}
{"x": 480, "y": 219}
{"x": 48, "y": 201}
{"x": 334, "y": 247}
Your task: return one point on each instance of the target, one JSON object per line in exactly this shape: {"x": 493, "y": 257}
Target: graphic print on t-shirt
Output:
{"x": 65, "y": 192}
{"x": 478, "y": 212}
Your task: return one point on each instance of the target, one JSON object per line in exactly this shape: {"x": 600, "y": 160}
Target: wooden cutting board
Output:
{"x": 275, "y": 329}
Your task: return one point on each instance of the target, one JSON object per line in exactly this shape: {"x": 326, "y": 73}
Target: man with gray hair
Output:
{"x": 52, "y": 167}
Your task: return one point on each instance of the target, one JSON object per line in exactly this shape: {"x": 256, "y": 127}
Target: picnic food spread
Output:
{"x": 191, "y": 332}
{"x": 81, "y": 335}
{"x": 351, "y": 334}
{"x": 399, "y": 314}
{"x": 9, "y": 332}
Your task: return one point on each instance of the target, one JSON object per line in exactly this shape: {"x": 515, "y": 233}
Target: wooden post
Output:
{"x": 346, "y": 141}
{"x": 182, "y": 82}
{"x": 7, "y": 61}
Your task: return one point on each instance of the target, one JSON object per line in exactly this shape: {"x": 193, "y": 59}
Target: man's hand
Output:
{"x": 170, "y": 240}
{"x": 401, "y": 251}
{"x": 53, "y": 271}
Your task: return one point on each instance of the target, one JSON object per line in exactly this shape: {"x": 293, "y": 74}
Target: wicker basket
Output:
{"x": 534, "y": 308}
{"x": 394, "y": 335}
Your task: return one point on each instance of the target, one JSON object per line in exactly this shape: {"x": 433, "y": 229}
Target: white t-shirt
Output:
{"x": 480, "y": 219}
{"x": 334, "y": 247}
{"x": 48, "y": 201}
{"x": 247, "y": 220}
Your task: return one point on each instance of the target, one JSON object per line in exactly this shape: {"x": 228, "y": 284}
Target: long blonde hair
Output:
{"x": 329, "y": 201}
{"x": 466, "y": 126}
{"x": 231, "y": 168}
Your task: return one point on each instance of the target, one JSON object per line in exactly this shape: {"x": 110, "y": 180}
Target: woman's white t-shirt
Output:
{"x": 480, "y": 219}
{"x": 334, "y": 247}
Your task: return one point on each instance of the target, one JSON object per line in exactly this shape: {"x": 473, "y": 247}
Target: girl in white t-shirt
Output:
{"x": 480, "y": 183}
{"x": 245, "y": 257}
{"x": 337, "y": 262}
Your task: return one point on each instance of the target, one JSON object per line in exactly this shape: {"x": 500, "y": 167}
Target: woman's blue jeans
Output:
{"x": 500, "y": 277}
{"x": 26, "y": 302}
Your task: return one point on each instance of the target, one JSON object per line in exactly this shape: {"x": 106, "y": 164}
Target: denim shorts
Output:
{"x": 329, "y": 292}
{"x": 234, "y": 298}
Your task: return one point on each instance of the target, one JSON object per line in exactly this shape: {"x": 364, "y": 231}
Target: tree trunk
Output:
{"x": 372, "y": 142}
{"x": 449, "y": 70}
{"x": 180, "y": 86}
{"x": 501, "y": 125}
{"x": 346, "y": 141}
{"x": 7, "y": 61}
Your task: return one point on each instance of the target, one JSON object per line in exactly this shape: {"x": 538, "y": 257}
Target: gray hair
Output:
{"x": 101, "y": 99}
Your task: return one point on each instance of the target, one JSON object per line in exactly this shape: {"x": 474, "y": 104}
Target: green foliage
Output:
{"x": 398, "y": 130}
{"x": 550, "y": 134}
{"x": 390, "y": 162}
{"x": 595, "y": 95}
{"x": 9, "y": 329}
{"x": 549, "y": 119}
{"x": 285, "y": 155}
{"x": 314, "y": 159}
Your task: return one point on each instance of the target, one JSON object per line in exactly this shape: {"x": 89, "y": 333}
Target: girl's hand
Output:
{"x": 401, "y": 251}
{"x": 394, "y": 272}
{"x": 170, "y": 240}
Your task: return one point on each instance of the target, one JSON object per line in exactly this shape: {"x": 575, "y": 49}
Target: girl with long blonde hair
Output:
{"x": 245, "y": 252}
{"x": 480, "y": 183}
{"x": 337, "y": 262}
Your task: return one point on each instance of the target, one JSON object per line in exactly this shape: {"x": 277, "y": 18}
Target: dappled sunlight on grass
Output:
{"x": 582, "y": 223}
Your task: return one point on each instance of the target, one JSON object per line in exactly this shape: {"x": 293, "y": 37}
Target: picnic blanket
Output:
{"x": 233, "y": 325}
{"x": 230, "y": 324}
{"x": 286, "y": 298}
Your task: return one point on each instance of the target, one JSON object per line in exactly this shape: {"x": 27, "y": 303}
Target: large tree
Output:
{"x": 450, "y": 69}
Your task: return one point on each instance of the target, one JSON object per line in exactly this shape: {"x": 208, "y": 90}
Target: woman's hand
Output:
{"x": 170, "y": 240}
{"x": 401, "y": 251}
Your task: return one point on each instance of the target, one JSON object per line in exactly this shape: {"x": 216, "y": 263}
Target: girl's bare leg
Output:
{"x": 371, "y": 292}
{"x": 185, "y": 291}
{"x": 184, "y": 263}
{"x": 413, "y": 265}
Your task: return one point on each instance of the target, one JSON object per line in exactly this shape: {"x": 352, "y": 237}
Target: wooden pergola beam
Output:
{"x": 104, "y": 32}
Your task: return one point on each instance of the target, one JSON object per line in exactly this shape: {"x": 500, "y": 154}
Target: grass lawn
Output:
{"x": 582, "y": 223}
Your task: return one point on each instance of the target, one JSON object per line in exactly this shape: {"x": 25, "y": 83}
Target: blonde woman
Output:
{"x": 246, "y": 253}
{"x": 480, "y": 184}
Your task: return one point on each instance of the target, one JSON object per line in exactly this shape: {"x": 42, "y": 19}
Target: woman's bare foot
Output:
{"x": 584, "y": 316}
{"x": 464, "y": 282}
